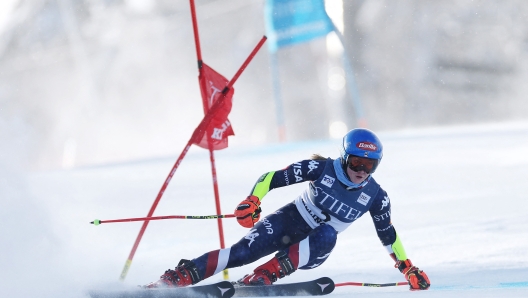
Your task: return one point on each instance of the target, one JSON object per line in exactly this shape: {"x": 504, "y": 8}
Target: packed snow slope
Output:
{"x": 459, "y": 204}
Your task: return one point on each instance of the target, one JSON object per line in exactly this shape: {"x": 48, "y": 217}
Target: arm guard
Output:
{"x": 396, "y": 250}
{"x": 262, "y": 187}
{"x": 305, "y": 170}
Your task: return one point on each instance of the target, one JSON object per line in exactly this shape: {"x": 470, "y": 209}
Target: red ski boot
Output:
{"x": 185, "y": 274}
{"x": 269, "y": 272}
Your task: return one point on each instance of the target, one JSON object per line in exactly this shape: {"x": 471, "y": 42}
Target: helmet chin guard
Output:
{"x": 361, "y": 142}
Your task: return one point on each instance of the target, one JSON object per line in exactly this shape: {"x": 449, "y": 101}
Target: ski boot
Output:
{"x": 184, "y": 275}
{"x": 269, "y": 272}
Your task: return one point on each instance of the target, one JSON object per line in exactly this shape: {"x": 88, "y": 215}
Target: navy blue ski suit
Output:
{"x": 307, "y": 228}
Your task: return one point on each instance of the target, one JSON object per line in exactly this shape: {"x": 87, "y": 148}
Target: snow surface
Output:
{"x": 458, "y": 202}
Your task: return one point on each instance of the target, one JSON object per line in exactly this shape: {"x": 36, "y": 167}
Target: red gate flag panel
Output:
{"x": 212, "y": 84}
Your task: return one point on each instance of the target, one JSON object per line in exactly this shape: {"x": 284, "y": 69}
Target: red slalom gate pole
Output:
{"x": 151, "y": 211}
{"x": 365, "y": 284}
{"x": 98, "y": 221}
{"x": 195, "y": 30}
{"x": 217, "y": 198}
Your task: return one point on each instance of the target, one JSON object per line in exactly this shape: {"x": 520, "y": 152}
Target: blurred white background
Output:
{"x": 95, "y": 81}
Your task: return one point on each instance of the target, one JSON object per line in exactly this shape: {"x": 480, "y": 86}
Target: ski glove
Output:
{"x": 417, "y": 279}
{"x": 248, "y": 212}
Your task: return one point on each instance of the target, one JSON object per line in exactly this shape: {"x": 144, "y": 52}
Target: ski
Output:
{"x": 318, "y": 287}
{"x": 222, "y": 289}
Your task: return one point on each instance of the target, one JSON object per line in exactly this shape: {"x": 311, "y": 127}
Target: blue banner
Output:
{"x": 294, "y": 21}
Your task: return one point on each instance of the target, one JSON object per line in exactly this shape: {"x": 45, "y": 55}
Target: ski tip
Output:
{"x": 327, "y": 285}
{"x": 225, "y": 288}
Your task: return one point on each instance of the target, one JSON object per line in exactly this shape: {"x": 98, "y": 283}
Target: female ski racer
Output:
{"x": 304, "y": 232}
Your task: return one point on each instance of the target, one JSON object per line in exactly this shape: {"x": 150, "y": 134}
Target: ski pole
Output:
{"x": 365, "y": 284}
{"x": 98, "y": 222}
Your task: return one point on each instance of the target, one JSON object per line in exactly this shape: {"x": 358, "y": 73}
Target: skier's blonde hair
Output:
{"x": 317, "y": 156}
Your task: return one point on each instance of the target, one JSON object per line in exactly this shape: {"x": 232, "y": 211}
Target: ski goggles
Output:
{"x": 356, "y": 164}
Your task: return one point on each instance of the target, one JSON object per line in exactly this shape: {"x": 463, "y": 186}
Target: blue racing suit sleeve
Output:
{"x": 304, "y": 170}
{"x": 380, "y": 211}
